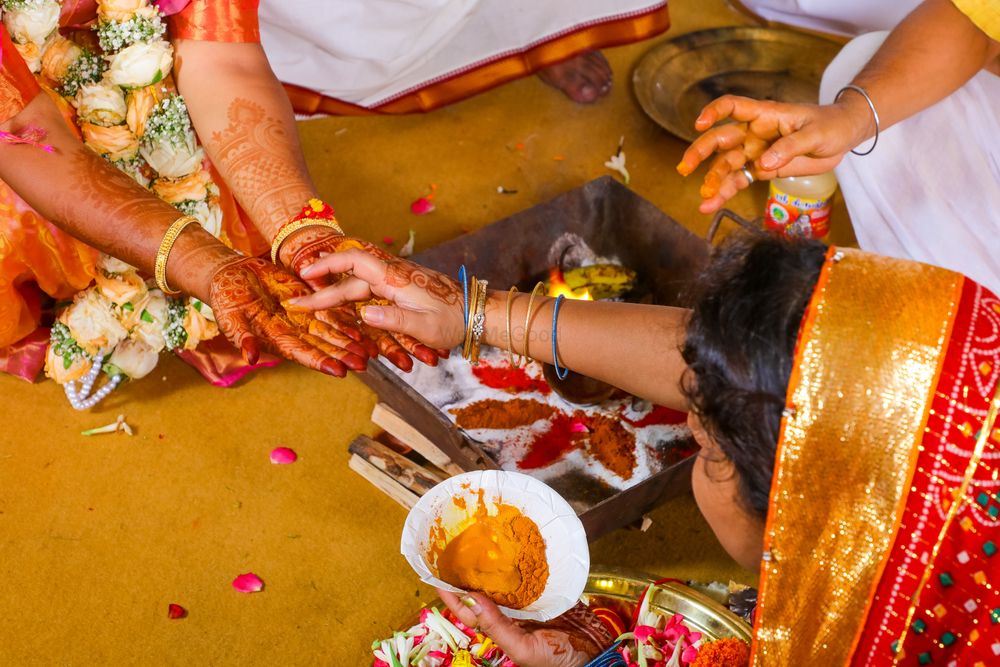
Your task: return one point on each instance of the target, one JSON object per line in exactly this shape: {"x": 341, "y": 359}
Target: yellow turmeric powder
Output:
{"x": 501, "y": 555}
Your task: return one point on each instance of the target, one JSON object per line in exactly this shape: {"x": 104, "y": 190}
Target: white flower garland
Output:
{"x": 119, "y": 325}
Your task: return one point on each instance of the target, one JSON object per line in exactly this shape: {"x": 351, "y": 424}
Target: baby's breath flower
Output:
{"x": 88, "y": 68}
{"x": 115, "y": 36}
{"x": 64, "y": 344}
{"x": 174, "y": 334}
{"x": 169, "y": 121}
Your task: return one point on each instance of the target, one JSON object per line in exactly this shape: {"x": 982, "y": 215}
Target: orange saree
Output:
{"x": 882, "y": 534}
{"x": 37, "y": 259}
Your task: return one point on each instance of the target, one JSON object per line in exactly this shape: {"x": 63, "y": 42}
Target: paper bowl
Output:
{"x": 566, "y": 549}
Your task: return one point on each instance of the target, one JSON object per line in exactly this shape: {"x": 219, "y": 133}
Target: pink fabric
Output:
{"x": 26, "y": 358}
{"x": 169, "y": 7}
{"x": 221, "y": 364}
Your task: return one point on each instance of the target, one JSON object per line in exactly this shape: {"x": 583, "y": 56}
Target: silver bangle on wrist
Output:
{"x": 871, "y": 105}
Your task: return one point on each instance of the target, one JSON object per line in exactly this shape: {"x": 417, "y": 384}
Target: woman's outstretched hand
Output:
{"x": 772, "y": 139}
{"x": 417, "y": 302}
{"x": 308, "y": 246}
{"x": 246, "y": 298}
{"x": 571, "y": 640}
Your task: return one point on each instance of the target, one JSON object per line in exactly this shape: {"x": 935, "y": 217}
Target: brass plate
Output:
{"x": 678, "y": 77}
{"x": 700, "y": 612}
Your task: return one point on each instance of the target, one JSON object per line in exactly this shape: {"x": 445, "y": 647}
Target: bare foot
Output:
{"x": 584, "y": 79}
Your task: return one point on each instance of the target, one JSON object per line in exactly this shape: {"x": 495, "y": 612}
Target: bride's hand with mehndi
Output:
{"x": 425, "y": 305}
{"x": 307, "y": 247}
{"x": 246, "y": 296}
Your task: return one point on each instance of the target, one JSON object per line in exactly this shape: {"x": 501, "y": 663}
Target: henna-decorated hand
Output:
{"x": 570, "y": 640}
{"x": 310, "y": 244}
{"x": 246, "y": 297}
{"x": 426, "y": 305}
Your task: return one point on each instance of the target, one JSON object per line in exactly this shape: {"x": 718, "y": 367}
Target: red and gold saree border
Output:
{"x": 613, "y": 31}
{"x": 937, "y": 601}
{"x": 869, "y": 355}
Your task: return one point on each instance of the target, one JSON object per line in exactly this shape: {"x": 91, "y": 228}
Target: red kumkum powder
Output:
{"x": 658, "y": 416}
{"x": 509, "y": 379}
{"x": 552, "y": 445}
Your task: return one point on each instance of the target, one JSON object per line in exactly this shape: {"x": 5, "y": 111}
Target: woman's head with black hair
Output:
{"x": 747, "y": 310}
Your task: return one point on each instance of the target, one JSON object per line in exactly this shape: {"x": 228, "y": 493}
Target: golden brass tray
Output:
{"x": 678, "y": 77}
{"x": 701, "y": 613}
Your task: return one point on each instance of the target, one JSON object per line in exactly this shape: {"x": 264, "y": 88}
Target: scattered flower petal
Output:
{"x": 118, "y": 425}
{"x": 283, "y": 456}
{"x": 558, "y": 158}
{"x": 248, "y": 583}
{"x": 578, "y": 427}
{"x": 425, "y": 204}
{"x": 388, "y": 240}
{"x": 176, "y": 611}
{"x": 501, "y": 190}
{"x": 421, "y": 206}
{"x": 617, "y": 162}
{"x": 407, "y": 249}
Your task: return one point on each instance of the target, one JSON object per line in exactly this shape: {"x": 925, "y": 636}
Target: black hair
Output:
{"x": 747, "y": 309}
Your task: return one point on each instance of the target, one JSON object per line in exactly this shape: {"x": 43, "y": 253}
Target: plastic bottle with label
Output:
{"x": 799, "y": 206}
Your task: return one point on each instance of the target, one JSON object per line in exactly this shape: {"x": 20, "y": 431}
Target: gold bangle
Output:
{"x": 166, "y": 245}
{"x": 510, "y": 337}
{"x": 295, "y": 226}
{"x": 473, "y": 307}
{"x": 479, "y": 325}
{"x": 527, "y": 318}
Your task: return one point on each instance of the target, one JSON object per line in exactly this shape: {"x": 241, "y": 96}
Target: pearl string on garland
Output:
{"x": 83, "y": 399}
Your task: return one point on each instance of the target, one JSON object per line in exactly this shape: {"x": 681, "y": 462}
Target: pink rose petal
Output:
{"x": 388, "y": 240}
{"x": 421, "y": 206}
{"x": 283, "y": 456}
{"x": 248, "y": 583}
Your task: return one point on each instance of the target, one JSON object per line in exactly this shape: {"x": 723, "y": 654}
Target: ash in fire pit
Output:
{"x": 586, "y": 453}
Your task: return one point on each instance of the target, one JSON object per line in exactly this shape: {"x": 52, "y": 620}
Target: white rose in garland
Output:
{"x": 119, "y": 10}
{"x": 173, "y": 158}
{"x": 141, "y": 64}
{"x": 132, "y": 358}
{"x": 110, "y": 264}
{"x": 101, "y": 104}
{"x": 31, "y": 21}
{"x": 92, "y": 322}
{"x": 151, "y": 319}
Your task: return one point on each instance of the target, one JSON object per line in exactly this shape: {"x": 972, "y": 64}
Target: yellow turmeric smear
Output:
{"x": 502, "y": 555}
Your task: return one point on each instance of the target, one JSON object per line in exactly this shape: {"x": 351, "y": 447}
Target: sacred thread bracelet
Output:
{"x": 315, "y": 212}
{"x": 871, "y": 105}
{"x": 160, "y": 265}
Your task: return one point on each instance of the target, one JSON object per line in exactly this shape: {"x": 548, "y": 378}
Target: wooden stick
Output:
{"x": 383, "y": 482}
{"x": 390, "y": 420}
{"x": 400, "y": 468}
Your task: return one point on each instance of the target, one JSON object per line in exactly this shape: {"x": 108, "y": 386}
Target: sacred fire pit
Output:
{"x": 612, "y": 461}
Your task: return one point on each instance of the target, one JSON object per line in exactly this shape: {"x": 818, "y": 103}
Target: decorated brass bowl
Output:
{"x": 678, "y": 77}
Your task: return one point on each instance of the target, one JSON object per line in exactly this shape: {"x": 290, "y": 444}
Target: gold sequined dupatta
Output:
{"x": 870, "y": 352}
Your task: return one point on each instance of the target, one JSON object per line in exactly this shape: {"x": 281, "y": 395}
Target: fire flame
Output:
{"x": 558, "y": 287}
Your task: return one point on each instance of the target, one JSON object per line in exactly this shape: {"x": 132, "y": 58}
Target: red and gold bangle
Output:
{"x": 315, "y": 212}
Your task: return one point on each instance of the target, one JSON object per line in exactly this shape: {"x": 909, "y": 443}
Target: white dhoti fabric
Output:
{"x": 369, "y": 52}
{"x": 841, "y": 17}
{"x": 930, "y": 190}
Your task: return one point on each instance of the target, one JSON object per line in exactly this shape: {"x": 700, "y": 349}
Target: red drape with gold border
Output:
{"x": 883, "y": 531}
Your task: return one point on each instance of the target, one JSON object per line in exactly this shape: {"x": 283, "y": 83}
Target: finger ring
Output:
{"x": 746, "y": 172}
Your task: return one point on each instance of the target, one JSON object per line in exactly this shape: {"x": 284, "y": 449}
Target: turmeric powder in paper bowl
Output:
{"x": 504, "y": 534}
